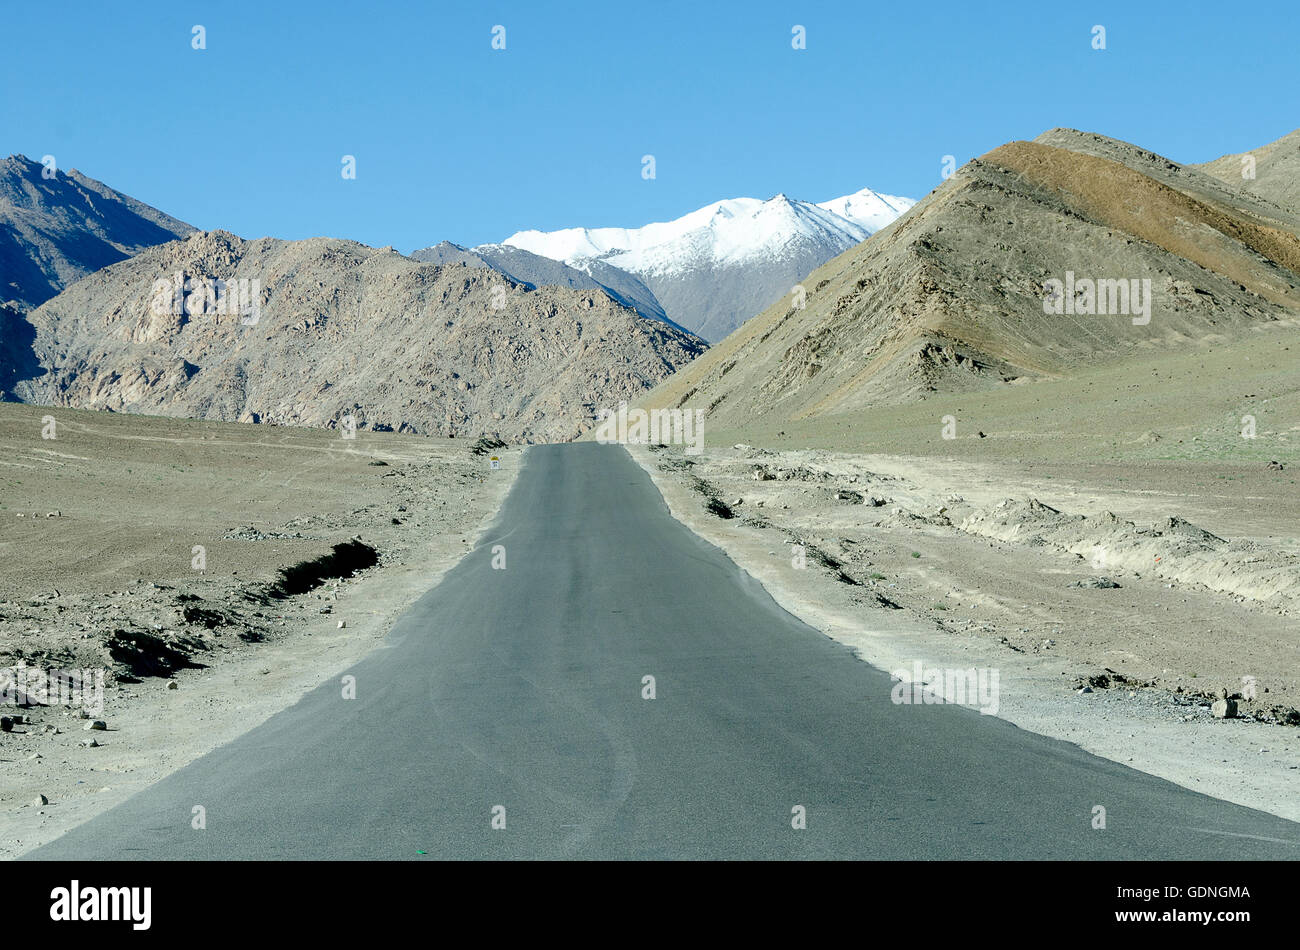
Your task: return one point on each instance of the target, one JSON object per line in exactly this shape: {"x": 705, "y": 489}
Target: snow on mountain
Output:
{"x": 868, "y": 208}
{"x": 572, "y": 244}
{"x": 735, "y": 234}
{"x": 717, "y": 266}
{"x": 737, "y": 226}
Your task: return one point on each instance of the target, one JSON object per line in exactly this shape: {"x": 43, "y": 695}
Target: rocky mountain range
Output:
{"x": 327, "y": 329}
{"x": 1018, "y": 267}
{"x": 528, "y": 339}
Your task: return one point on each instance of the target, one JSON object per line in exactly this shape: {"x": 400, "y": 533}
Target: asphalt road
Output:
{"x": 523, "y": 688}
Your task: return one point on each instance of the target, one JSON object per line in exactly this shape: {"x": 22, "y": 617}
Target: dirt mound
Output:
{"x": 1173, "y": 549}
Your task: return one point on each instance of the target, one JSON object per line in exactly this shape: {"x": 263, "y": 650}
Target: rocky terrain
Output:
{"x": 334, "y": 329}
{"x": 56, "y": 230}
{"x": 950, "y": 298}
{"x": 212, "y": 573}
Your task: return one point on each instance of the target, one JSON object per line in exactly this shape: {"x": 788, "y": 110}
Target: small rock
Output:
{"x": 6, "y": 724}
{"x": 98, "y": 725}
{"x": 41, "y": 800}
{"x": 342, "y": 624}
{"x": 1224, "y": 709}
{"x": 1085, "y": 689}
{"x": 173, "y": 685}
{"x": 90, "y": 743}
{"x": 35, "y": 755}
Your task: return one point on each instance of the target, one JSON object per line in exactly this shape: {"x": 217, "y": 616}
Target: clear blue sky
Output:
{"x": 456, "y": 141}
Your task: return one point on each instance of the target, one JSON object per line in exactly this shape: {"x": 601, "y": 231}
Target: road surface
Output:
{"x": 518, "y": 695}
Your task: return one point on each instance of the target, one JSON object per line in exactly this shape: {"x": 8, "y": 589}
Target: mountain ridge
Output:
{"x": 55, "y": 230}
{"x": 534, "y": 270}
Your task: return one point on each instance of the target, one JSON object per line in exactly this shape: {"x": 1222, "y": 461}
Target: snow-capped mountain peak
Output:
{"x": 742, "y": 225}
{"x": 718, "y": 265}
{"x": 868, "y": 208}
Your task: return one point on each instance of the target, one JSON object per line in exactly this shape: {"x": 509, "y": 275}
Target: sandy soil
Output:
{"x": 966, "y": 564}
{"x": 97, "y": 571}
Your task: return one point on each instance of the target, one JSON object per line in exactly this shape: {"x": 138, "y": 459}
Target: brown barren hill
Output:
{"x": 951, "y": 297}
{"x": 328, "y": 328}
{"x": 1193, "y": 180}
{"x": 1218, "y": 238}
